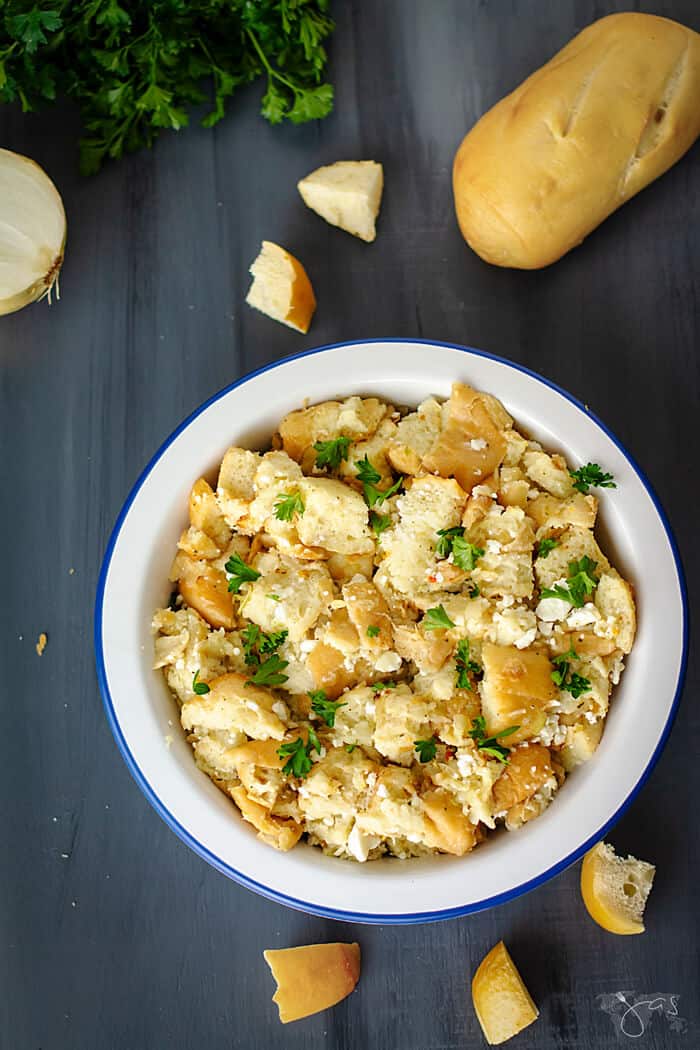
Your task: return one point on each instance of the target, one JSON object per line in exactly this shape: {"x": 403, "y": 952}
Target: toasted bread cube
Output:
{"x": 287, "y": 597}
{"x": 327, "y": 667}
{"x": 206, "y": 514}
{"x": 527, "y": 770}
{"x": 205, "y": 589}
{"x": 375, "y": 449}
{"x": 275, "y": 831}
{"x": 549, "y": 472}
{"x": 582, "y": 740}
{"x": 312, "y": 978}
{"x": 335, "y": 517}
{"x": 614, "y": 599}
{"x": 355, "y": 418}
{"x": 574, "y": 544}
{"x": 515, "y": 690}
{"x": 429, "y": 504}
{"x": 281, "y": 288}
{"x": 368, "y": 611}
{"x": 450, "y": 830}
{"x": 415, "y": 436}
{"x": 346, "y": 194}
{"x": 235, "y": 488}
{"x": 471, "y": 446}
{"x": 427, "y": 649}
{"x": 233, "y": 703}
{"x": 402, "y": 718}
{"x": 546, "y": 510}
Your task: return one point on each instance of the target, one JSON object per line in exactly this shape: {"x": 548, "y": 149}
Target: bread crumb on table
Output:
{"x": 41, "y": 644}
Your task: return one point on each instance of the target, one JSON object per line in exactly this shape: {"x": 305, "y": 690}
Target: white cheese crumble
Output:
{"x": 552, "y": 609}
{"x": 387, "y": 662}
{"x": 478, "y": 444}
{"x": 493, "y": 547}
{"x": 382, "y": 791}
{"x": 281, "y": 710}
{"x": 359, "y": 844}
{"x": 583, "y": 617}
{"x": 526, "y": 639}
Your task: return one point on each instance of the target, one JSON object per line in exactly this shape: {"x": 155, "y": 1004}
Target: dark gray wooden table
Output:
{"x": 114, "y": 935}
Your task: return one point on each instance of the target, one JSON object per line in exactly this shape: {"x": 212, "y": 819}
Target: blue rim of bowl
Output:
{"x": 308, "y": 906}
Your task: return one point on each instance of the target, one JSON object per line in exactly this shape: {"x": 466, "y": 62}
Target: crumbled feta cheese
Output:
{"x": 526, "y": 639}
{"x": 590, "y": 717}
{"x": 370, "y": 708}
{"x": 505, "y": 602}
{"x": 387, "y": 662}
{"x": 545, "y": 628}
{"x": 493, "y": 547}
{"x": 307, "y": 645}
{"x": 281, "y": 710}
{"x": 582, "y": 617}
{"x": 465, "y": 763}
{"x": 359, "y": 844}
{"x": 382, "y": 791}
{"x": 552, "y": 609}
{"x": 616, "y": 670}
{"x": 371, "y": 780}
{"x": 478, "y": 444}
{"x": 252, "y": 705}
{"x": 551, "y": 733}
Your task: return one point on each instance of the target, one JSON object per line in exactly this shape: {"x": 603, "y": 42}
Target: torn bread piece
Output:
{"x": 346, "y": 194}
{"x": 281, "y": 288}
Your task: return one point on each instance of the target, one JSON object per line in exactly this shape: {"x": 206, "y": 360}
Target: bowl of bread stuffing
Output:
{"x": 391, "y": 631}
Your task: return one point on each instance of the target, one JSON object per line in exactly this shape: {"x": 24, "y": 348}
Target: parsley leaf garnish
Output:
{"x": 489, "y": 744}
{"x": 580, "y": 584}
{"x": 369, "y": 476}
{"x": 288, "y": 504}
{"x": 590, "y": 475}
{"x": 240, "y": 573}
{"x": 437, "y": 620}
{"x": 255, "y": 639}
{"x": 443, "y": 547}
{"x": 379, "y": 687}
{"x": 323, "y": 707}
{"x": 379, "y": 522}
{"x": 465, "y": 554}
{"x": 350, "y": 748}
{"x": 372, "y": 631}
{"x": 331, "y": 453}
{"x": 200, "y": 688}
{"x": 270, "y": 672}
{"x": 545, "y": 546}
{"x": 298, "y": 755}
{"x": 452, "y": 541}
{"x": 474, "y": 591}
{"x": 426, "y": 749}
{"x": 465, "y": 665}
{"x": 573, "y": 683}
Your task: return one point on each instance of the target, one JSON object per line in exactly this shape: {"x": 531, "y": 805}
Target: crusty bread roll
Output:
{"x": 605, "y": 117}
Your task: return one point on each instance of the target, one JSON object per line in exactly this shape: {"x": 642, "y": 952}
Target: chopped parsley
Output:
{"x": 323, "y": 707}
{"x": 350, "y": 748}
{"x": 465, "y": 665}
{"x": 489, "y": 745}
{"x": 331, "y": 453}
{"x": 298, "y": 755}
{"x": 257, "y": 643}
{"x": 379, "y": 522}
{"x": 464, "y": 554}
{"x": 590, "y": 475}
{"x": 273, "y": 597}
{"x": 372, "y": 631}
{"x": 270, "y": 672}
{"x": 200, "y": 688}
{"x": 288, "y": 504}
{"x": 580, "y": 584}
{"x": 426, "y": 749}
{"x": 474, "y": 591}
{"x": 562, "y": 676}
{"x": 379, "y": 687}
{"x": 545, "y": 546}
{"x": 443, "y": 547}
{"x": 437, "y": 620}
{"x": 240, "y": 573}
{"x": 369, "y": 476}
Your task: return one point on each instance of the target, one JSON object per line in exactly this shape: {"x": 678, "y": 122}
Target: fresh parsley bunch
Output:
{"x": 136, "y": 68}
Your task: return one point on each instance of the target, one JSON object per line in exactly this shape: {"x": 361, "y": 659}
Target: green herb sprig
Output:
{"x": 135, "y": 68}
{"x": 271, "y": 672}
{"x": 288, "y": 504}
{"x": 200, "y": 688}
{"x": 590, "y": 475}
{"x": 426, "y": 749}
{"x": 325, "y": 709}
{"x": 368, "y": 475}
{"x": 240, "y": 573}
{"x": 563, "y": 677}
{"x": 490, "y": 745}
{"x": 331, "y": 453}
{"x": 465, "y": 665}
{"x": 580, "y": 584}
{"x": 545, "y": 546}
{"x": 298, "y": 755}
{"x": 437, "y": 619}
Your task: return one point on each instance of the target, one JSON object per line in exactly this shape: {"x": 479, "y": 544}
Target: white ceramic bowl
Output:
{"x": 140, "y": 710}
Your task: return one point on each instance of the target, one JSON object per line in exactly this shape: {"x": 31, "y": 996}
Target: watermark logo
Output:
{"x": 632, "y": 1014}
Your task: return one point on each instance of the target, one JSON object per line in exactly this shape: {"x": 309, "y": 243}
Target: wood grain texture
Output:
{"x": 114, "y": 935}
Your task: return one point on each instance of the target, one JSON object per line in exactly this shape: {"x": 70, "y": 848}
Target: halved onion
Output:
{"x": 32, "y": 232}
